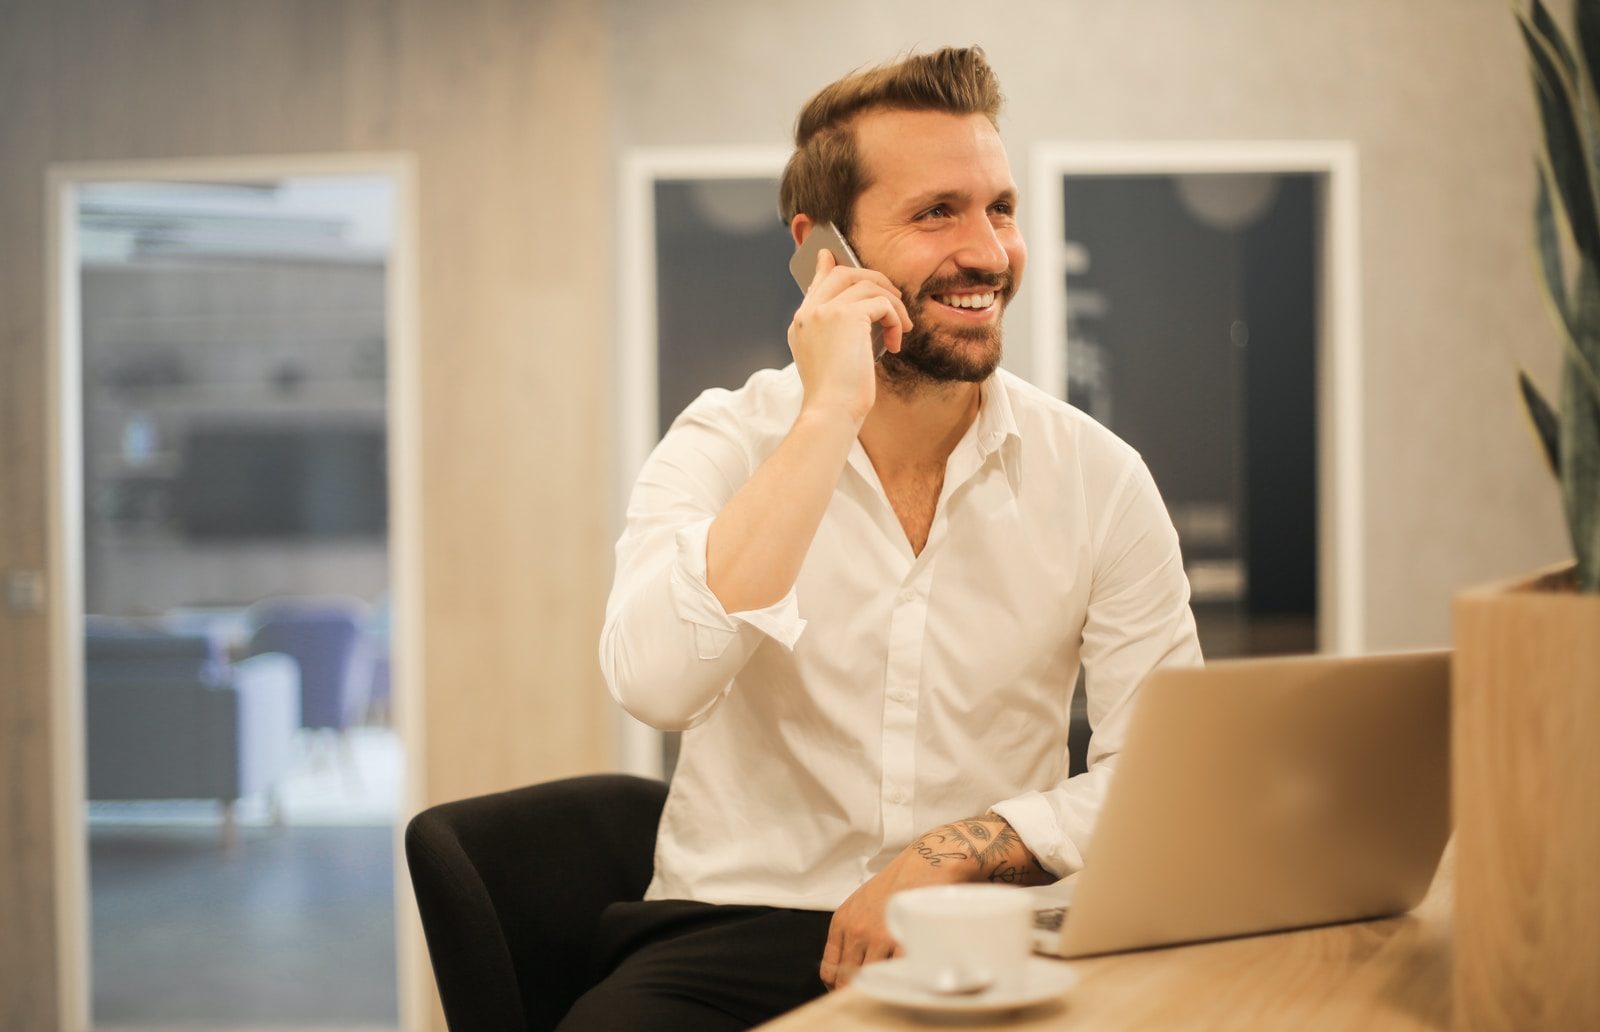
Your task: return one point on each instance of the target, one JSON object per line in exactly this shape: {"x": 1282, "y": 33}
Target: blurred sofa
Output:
{"x": 167, "y": 716}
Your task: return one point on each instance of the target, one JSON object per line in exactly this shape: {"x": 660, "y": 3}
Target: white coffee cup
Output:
{"x": 958, "y": 936}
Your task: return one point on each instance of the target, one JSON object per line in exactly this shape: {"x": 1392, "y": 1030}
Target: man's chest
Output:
{"x": 914, "y": 499}
{"x": 962, "y": 593}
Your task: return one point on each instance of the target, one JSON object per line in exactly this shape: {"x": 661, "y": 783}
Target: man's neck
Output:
{"x": 916, "y": 432}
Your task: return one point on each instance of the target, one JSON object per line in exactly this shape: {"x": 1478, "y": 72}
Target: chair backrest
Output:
{"x": 117, "y": 651}
{"x": 508, "y": 915}
{"x": 326, "y": 640}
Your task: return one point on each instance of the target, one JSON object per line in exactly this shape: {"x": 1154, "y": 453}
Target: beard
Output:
{"x": 932, "y": 356}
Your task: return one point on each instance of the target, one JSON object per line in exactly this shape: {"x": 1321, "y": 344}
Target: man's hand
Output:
{"x": 758, "y": 542}
{"x": 973, "y": 849}
{"x": 831, "y": 336}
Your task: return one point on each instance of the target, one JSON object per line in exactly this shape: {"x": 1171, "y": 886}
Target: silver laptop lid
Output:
{"x": 1265, "y": 794}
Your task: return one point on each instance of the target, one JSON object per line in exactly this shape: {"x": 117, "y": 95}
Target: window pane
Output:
{"x": 1192, "y": 330}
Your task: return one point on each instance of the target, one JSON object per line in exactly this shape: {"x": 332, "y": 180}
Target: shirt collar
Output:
{"x": 996, "y": 422}
{"x": 995, "y": 425}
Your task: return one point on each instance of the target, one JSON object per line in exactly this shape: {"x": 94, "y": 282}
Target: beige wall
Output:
{"x": 504, "y": 105}
{"x": 1432, "y": 92}
{"x": 513, "y": 109}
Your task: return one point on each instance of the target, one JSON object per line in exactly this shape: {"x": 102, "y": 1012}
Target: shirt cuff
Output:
{"x": 1034, "y": 821}
{"x": 714, "y": 627}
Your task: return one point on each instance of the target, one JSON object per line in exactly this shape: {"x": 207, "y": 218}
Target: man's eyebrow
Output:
{"x": 928, "y": 200}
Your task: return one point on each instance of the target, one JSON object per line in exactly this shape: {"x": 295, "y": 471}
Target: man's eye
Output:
{"x": 938, "y": 211}
{"x": 1005, "y": 208}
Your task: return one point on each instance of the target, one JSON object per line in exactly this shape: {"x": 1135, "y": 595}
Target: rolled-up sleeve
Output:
{"x": 668, "y": 649}
{"x": 1138, "y": 619}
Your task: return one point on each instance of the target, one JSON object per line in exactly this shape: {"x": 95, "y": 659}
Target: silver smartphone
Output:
{"x": 804, "y": 265}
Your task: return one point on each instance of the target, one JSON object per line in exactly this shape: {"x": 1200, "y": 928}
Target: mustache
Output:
{"x": 1000, "y": 282}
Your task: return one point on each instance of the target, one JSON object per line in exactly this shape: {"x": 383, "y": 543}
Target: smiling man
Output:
{"x": 864, "y": 589}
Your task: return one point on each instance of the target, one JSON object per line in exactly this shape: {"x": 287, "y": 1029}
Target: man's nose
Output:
{"x": 980, "y": 248}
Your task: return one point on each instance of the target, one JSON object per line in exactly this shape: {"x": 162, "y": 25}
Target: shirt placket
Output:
{"x": 903, "y": 680}
{"x": 902, "y": 689}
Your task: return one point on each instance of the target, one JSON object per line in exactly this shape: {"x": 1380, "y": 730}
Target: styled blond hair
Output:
{"x": 824, "y": 176}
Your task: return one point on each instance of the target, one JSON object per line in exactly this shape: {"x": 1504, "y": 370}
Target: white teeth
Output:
{"x": 967, "y": 300}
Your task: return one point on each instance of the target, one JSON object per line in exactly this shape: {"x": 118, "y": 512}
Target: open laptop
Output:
{"x": 1264, "y": 794}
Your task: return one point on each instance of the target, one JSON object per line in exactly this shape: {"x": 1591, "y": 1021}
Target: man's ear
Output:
{"x": 800, "y": 227}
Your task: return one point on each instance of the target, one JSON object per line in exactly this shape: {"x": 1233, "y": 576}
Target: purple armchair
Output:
{"x": 327, "y": 637}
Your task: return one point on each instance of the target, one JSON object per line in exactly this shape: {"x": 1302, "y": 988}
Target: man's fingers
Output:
{"x": 836, "y": 279}
{"x": 852, "y": 954}
{"x": 897, "y": 307}
{"x": 882, "y": 948}
{"x": 874, "y": 276}
{"x": 881, "y": 312}
{"x": 879, "y": 307}
{"x": 858, "y": 293}
{"x": 829, "y": 969}
{"x": 844, "y": 953}
{"x": 825, "y": 264}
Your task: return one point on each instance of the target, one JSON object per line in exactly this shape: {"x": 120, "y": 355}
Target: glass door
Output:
{"x": 243, "y": 770}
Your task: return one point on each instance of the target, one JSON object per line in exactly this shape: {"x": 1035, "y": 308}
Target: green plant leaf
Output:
{"x": 1580, "y": 77}
{"x": 1588, "y": 26}
{"x": 1581, "y": 81}
{"x": 1546, "y": 26}
{"x": 1578, "y": 345}
{"x": 1548, "y": 244}
{"x": 1564, "y": 142}
{"x": 1546, "y": 426}
{"x": 1555, "y": 289}
{"x": 1580, "y": 471}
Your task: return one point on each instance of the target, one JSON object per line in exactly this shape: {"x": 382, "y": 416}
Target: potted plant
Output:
{"x": 1526, "y": 712}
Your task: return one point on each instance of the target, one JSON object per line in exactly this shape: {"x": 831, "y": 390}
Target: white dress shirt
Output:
{"x": 890, "y": 693}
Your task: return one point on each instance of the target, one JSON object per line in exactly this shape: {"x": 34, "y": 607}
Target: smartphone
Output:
{"x": 804, "y": 265}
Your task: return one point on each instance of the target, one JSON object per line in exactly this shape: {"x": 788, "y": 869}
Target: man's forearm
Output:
{"x": 982, "y": 848}
{"x": 758, "y": 542}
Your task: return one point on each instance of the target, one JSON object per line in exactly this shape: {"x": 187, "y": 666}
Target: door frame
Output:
{"x": 63, "y": 371}
{"x": 1341, "y": 531}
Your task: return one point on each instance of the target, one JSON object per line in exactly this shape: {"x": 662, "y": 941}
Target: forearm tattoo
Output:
{"x": 928, "y": 847}
{"x": 989, "y": 844}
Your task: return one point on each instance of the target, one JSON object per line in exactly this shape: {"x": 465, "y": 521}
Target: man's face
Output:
{"x": 939, "y": 219}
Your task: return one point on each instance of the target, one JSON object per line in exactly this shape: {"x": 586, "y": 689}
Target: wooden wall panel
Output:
{"x": 504, "y": 104}
{"x": 27, "y": 919}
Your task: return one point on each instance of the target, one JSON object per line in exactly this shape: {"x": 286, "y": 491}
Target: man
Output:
{"x": 864, "y": 589}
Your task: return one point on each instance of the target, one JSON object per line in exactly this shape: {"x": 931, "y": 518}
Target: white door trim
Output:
{"x": 65, "y": 610}
{"x": 1341, "y": 538}
{"x": 638, "y": 745}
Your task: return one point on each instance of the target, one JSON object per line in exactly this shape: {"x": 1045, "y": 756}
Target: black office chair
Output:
{"x": 511, "y": 885}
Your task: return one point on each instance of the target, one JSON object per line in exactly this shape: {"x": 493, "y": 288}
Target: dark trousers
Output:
{"x": 671, "y": 965}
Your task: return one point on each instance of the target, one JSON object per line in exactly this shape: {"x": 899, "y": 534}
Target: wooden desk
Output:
{"x": 1376, "y": 975}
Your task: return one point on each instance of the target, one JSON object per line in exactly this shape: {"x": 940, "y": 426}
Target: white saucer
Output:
{"x": 889, "y": 981}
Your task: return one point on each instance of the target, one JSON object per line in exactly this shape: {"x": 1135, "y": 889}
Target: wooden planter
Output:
{"x": 1526, "y": 786}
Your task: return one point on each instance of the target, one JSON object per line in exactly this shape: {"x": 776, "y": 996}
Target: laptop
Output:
{"x": 1261, "y": 795}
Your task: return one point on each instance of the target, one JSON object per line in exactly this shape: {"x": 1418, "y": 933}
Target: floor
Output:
{"x": 292, "y": 926}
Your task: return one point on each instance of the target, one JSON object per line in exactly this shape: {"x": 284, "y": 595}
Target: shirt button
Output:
{"x": 900, "y": 696}
{"x": 897, "y": 797}
{"x": 908, "y": 595}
